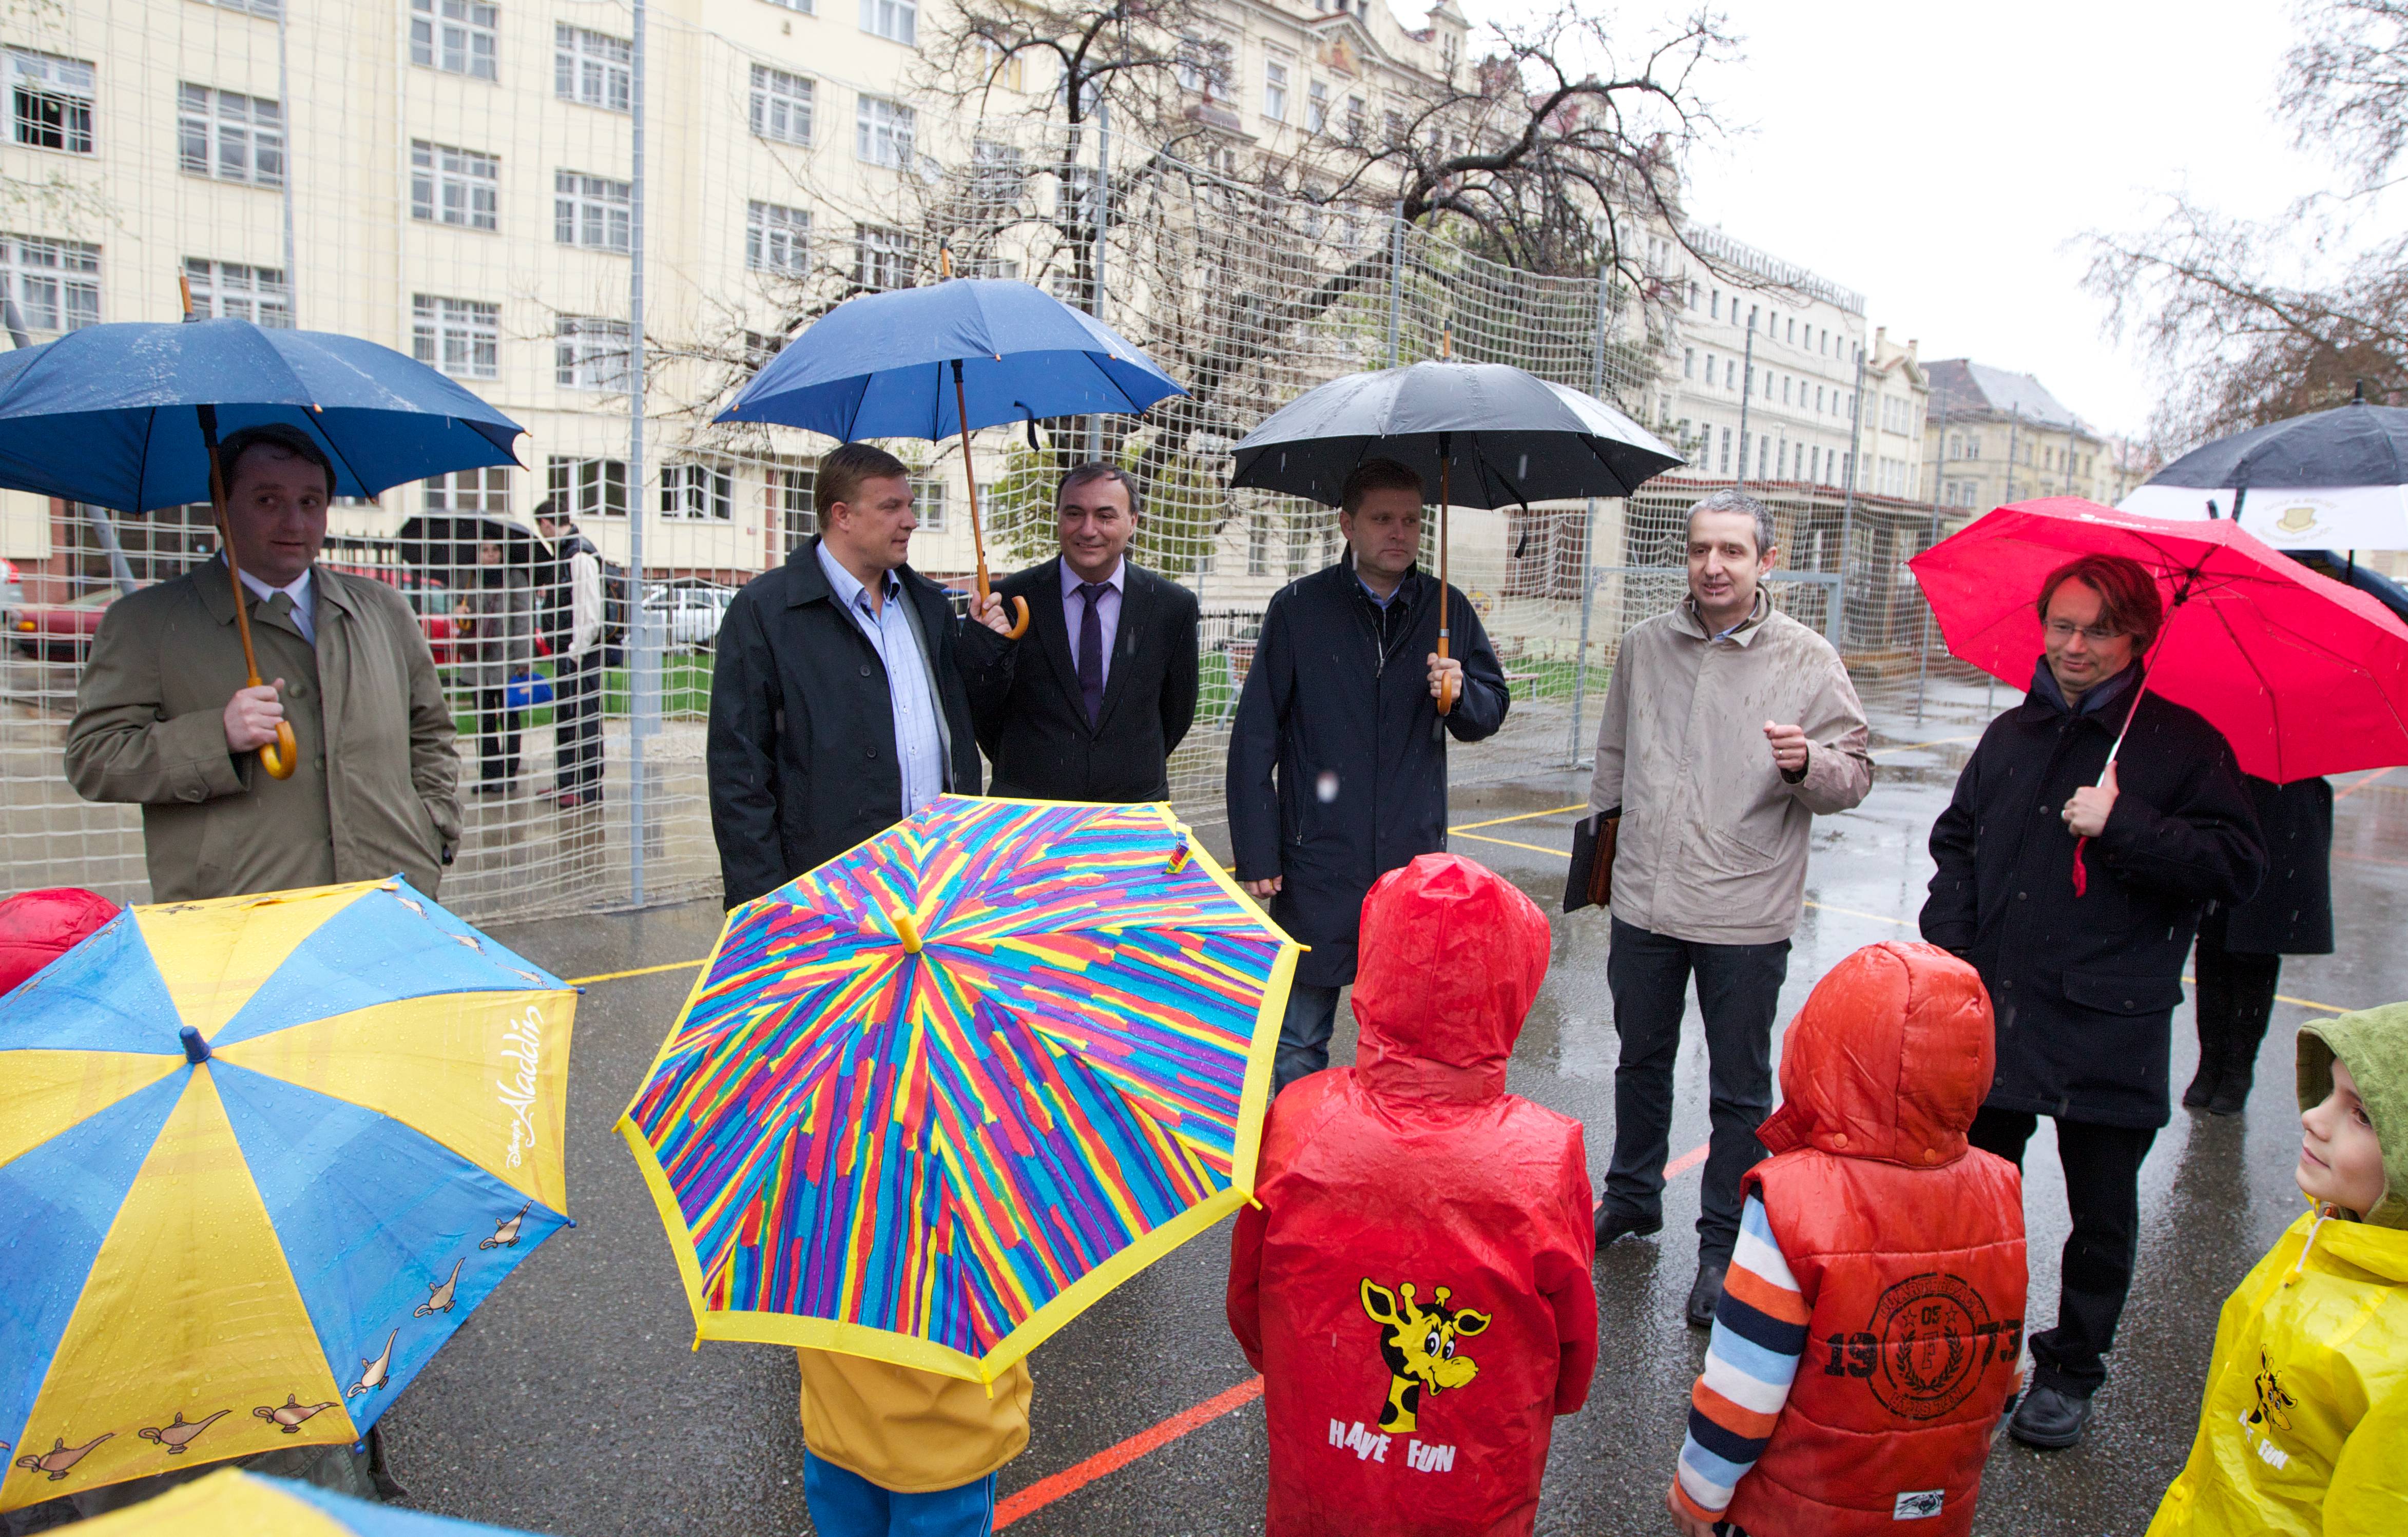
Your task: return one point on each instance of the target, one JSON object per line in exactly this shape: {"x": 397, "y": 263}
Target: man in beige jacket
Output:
{"x": 1729, "y": 728}
{"x": 163, "y": 717}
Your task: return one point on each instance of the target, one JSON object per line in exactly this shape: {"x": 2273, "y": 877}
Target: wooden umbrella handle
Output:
{"x": 281, "y": 756}
{"x": 970, "y": 479}
{"x": 1446, "y": 684}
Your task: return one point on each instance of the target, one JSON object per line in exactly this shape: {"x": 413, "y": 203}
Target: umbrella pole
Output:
{"x": 2140, "y": 686}
{"x": 970, "y": 479}
{"x": 1446, "y": 687}
{"x": 280, "y": 757}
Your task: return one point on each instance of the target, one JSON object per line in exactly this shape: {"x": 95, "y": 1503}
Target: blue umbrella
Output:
{"x": 929, "y": 362}
{"x": 127, "y": 416}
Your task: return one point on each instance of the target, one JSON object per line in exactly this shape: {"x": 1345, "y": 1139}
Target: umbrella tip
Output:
{"x": 907, "y": 931}
{"x": 196, "y": 1050}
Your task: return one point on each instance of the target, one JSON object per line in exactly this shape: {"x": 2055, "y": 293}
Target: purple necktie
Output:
{"x": 1091, "y": 649}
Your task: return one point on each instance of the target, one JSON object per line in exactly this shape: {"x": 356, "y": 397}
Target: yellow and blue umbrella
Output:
{"x": 929, "y": 1101}
{"x": 258, "y": 1156}
{"x": 228, "y": 1504}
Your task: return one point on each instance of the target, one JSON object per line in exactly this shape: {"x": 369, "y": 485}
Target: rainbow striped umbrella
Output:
{"x": 929, "y": 1101}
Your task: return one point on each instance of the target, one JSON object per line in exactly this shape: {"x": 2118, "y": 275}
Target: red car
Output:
{"x": 63, "y": 632}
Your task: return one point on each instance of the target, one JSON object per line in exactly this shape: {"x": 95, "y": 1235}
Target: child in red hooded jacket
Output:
{"x": 1415, "y": 1286}
{"x": 1871, "y": 1327}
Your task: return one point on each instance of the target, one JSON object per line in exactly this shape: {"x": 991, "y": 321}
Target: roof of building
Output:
{"x": 1962, "y": 387}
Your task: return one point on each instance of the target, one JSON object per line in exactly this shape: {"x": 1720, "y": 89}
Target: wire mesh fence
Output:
{"x": 494, "y": 235}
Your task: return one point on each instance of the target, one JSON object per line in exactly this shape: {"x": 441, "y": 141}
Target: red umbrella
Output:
{"x": 2303, "y": 676}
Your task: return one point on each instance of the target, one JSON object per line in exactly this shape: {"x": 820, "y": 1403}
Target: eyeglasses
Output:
{"x": 2097, "y": 635}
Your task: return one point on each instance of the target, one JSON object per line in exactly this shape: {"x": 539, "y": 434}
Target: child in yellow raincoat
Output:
{"x": 2305, "y": 1425}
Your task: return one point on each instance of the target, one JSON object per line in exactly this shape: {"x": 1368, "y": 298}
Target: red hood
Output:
{"x": 1888, "y": 1060}
{"x": 1451, "y": 957}
{"x": 38, "y": 927}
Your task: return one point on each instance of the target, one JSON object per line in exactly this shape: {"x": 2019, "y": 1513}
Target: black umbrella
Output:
{"x": 444, "y": 543}
{"x": 1490, "y": 434}
{"x": 2331, "y": 479}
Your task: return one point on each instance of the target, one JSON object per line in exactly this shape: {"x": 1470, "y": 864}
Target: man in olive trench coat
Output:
{"x": 163, "y": 719}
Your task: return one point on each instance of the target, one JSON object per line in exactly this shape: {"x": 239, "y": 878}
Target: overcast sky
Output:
{"x": 1945, "y": 161}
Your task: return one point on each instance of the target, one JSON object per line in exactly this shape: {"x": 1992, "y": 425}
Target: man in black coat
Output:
{"x": 1091, "y": 702}
{"x": 836, "y": 705}
{"x": 2241, "y": 944}
{"x": 1337, "y": 770}
{"x": 2084, "y": 984}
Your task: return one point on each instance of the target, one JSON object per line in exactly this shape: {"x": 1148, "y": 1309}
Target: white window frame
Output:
{"x": 897, "y": 20}
{"x": 1316, "y": 106}
{"x": 879, "y": 253}
{"x": 777, "y": 238}
{"x": 1206, "y": 65}
{"x": 885, "y": 131}
{"x": 783, "y": 105}
{"x": 704, "y": 493}
{"x": 56, "y": 283}
{"x": 50, "y": 96}
{"x": 1277, "y": 73}
{"x": 593, "y": 352}
{"x": 227, "y": 137}
{"x": 592, "y": 68}
{"x": 238, "y": 291}
{"x": 592, "y": 212}
{"x": 454, "y": 37}
{"x": 458, "y": 337}
{"x": 928, "y": 504}
{"x": 587, "y": 487}
{"x": 448, "y": 185}
{"x": 486, "y": 490}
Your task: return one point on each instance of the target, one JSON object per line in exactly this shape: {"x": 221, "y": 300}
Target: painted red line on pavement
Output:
{"x": 1071, "y": 1480}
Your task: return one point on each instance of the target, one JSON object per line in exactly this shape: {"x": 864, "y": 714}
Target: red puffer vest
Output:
{"x": 1907, "y": 1244}
{"x": 1414, "y": 1287}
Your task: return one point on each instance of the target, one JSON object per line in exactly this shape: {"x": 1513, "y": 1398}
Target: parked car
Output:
{"x": 690, "y": 612}
{"x": 60, "y": 632}
{"x": 428, "y": 598}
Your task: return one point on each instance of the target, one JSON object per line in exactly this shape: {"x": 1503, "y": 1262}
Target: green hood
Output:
{"x": 2374, "y": 1044}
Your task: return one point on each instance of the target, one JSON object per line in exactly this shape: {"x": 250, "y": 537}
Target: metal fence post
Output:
{"x": 643, "y": 659}
{"x": 1923, "y": 650}
{"x": 1589, "y": 533}
{"x": 1103, "y": 228}
{"x": 1396, "y": 284}
{"x": 1848, "y": 506}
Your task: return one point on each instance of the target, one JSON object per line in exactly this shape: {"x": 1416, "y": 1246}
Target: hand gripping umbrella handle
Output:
{"x": 281, "y": 756}
{"x": 970, "y": 479}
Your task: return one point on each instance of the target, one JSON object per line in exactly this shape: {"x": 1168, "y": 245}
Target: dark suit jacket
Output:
{"x": 1032, "y": 721}
{"x": 801, "y": 744}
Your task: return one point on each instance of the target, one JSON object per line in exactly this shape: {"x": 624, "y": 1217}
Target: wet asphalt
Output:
{"x": 573, "y": 1402}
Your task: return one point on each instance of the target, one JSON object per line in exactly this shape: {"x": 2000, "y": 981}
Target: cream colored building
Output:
{"x": 458, "y": 179}
{"x": 1996, "y": 437}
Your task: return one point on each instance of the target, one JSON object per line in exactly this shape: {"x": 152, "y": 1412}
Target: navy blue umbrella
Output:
{"x": 963, "y": 354}
{"x": 111, "y": 414}
{"x": 127, "y": 417}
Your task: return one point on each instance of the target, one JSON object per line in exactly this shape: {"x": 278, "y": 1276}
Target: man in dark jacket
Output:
{"x": 1337, "y": 770}
{"x": 1090, "y": 704}
{"x": 572, "y": 611}
{"x": 2084, "y": 983}
{"x": 2241, "y": 944}
{"x": 837, "y": 707}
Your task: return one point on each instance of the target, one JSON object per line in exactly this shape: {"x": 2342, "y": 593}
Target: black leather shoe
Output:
{"x": 2049, "y": 1420}
{"x": 2231, "y": 1095}
{"x": 1612, "y": 1225}
{"x": 1705, "y": 1295}
{"x": 2203, "y": 1085}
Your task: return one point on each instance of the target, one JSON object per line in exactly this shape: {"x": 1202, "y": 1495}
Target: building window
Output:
{"x": 929, "y": 503}
{"x": 232, "y": 290}
{"x": 271, "y": 10}
{"x": 1258, "y": 545}
{"x": 803, "y": 8}
{"x": 1727, "y": 451}
{"x": 1204, "y": 66}
{"x": 898, "y": 20}
{"x": 1008, "y": 70}
{"x": 1354, "y": 119}
{"x": 1689, "y": 363}
{"x": 587, "y": 488}
{"x": 1731, "y": 373}
{"x": 449, "y": 186}
{"x": 1316, "y": 107}
{"x": 592, "y": 68}
{"x": 782, "y": 106}
{"x": 882, "y": 132}
{"x": 759, "y": 348}
{"x": 459, "y": 336}
{"x": 593, "y": 211}
{"x": 697, "y": 491}
{"x": 56, "y": 283}
{"x": 52, "y": 101}
{"x": 487, "y": 489}
{"x": 776, "y": 239}
{"x": 1275, "y": 91}
{"x": 590, "y": 354}
{"x": 882, "y": 257}
{"x": 1395, "y": 121}
{"x": 798, "y": 512}
{"x": 1973, "y": 445}
{"x": 230, "y": 137}
{"x": 457, "y": 36}
{"x": 998, "y": 176}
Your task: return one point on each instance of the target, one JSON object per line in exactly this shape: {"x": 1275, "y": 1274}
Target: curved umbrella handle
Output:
{"x": 281, "y": 756}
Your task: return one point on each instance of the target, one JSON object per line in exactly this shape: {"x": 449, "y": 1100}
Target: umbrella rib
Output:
{"x": 2273, "y": 699}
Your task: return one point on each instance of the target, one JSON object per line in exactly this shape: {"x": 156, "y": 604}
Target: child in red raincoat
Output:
{"x": 38, "y": 927}
{"x": 1415, "y": 1286}
{"x": 1871, "y": 1327}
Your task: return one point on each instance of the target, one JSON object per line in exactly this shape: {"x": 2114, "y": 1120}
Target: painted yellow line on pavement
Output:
{"x": 1533, "y": 847}
{"x": 641, "y": 971}
{"x": 1935, "y": 742}
{"x": 1522, "y": 816}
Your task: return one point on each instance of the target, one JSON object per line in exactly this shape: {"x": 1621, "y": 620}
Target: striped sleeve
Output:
{"x": 1759, "y": 1334}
